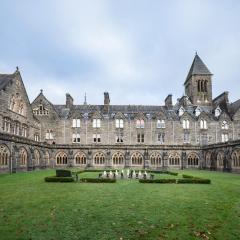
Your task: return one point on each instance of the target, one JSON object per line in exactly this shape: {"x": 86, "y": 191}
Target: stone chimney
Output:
{"x": 69, "y": 100}
{"x": 168, "y": 101}
{"x": 106, "y": 101}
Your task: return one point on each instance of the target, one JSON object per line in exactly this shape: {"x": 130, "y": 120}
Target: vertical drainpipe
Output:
{"x": 195, "y": 129}
{"x": 86, "y": 125}
{"x": 233, "y": 131}
{"x": 130, "y": 132}
{"x": 11, "y": 158}
{"x": 108, "y": 125}
{"x": 151, "y": 132}
{"x": 173, "y": 133}
{"x": 216, "y": 133}
{"x": 64, "y": 133}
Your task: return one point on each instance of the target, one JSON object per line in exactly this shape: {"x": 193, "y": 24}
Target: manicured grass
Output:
{"x": 33, "y": 209}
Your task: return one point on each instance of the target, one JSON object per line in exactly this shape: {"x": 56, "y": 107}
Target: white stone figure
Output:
{"x": 128, "y": 172}
{"x": 104, "y": 173}
{"x": 139, "y": 173}
{"x": 145, "y": 173}
{"x": 134, "y": 174}
{"x": 110, "y": 173}
{"x": 116, "y": 172}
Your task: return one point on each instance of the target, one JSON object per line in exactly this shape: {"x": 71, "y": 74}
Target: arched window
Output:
{"x": 99, "y": 158}
{"x": 137, "y": 159}
{"x": 199, "y": 87}
{"x": 193, "y": 159}
{"x": 160, "y": 124}
{"x": 7, "y": 124}
{"x": 80, "y": 159}
{"x": 49, "y": 134}
{"x": 23, "y": 157}
{"x": 4, "y": 156}
{"x": 205, "y": 86}
{"x": 118, "y": 158}
{"x": 174, "y": 159}
{"x": 24, "y": 130}
{"x": 140, "y": 123}
{"x": 40, "y": 110}
{"x": 236, "y": 159}
{"x": 185, "y": 124}
{"x": 220, "y": 159}
{"x": 36, "y": 157}
{"x": 155, "y": 159}
{"x": 119, "y": 123}
{"x": 203, "y": 124}
{"x": 61, "y": 158}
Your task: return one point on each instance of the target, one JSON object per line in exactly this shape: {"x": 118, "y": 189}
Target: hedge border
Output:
{"x": 59, "y": 179}
{"x": 97, "y": 180}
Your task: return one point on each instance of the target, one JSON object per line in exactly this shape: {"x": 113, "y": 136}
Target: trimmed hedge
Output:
{"x": 157, "y": 180}
{"x": 63, "y": 173}
{"x": 98, "y": 180}
{"x": 164, "y": 172}
{"x": 194, "y": 180}
{"x": 59, "y": 179}
{"x": 188, "y": 176}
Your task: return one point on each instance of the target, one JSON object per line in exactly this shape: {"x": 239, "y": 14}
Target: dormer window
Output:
{"x": 140, "y": 123}
{"x": 203, "y": 124}
{"x": 218, "y": 112}
{"x": 181, "y": 111}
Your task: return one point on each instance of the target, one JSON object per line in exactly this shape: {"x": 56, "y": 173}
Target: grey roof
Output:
{"x": 5, "y": 79}
{"x": 233, "y": 107}
{"x": 198, "y": 67}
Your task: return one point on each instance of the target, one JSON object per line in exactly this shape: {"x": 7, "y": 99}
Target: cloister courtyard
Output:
{"x": 31, "y": 208}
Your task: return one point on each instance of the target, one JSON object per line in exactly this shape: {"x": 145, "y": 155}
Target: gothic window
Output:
{"x": 36, "y": 137}
{"x": 137, "y": 159}
{"x": 140, "y": 138}
{"x": 118, "y": 158}
{"x": 155, "y": 159}
{"x": 24, "y": 130}
{"x": 160, "y": 124}
{"x": 225, "y": 125}
{"x": 236, "y": 158}
{"x": 193, "y": 160}
{"x": 7, "y": 125}
{"x": 99, "y": 159}
{"x": 161, "y": 138}
{"x": 119, "y": 123}
{"x": 174, "y": 159}
{"x": 80, "y": 159}
{"x": 185, "y": 124}
{"x": 40, "y": 110}
{"x": 76, "y": 123}
{"x": 203, "y": 124}
{"x": 96, "y": 138}
{"x": 49, "y": 134}
{"x": 218, "y": 112}
{"x": 23, "y": 157}
{"x": 36, "y": 157}
{"x": 225, "y": 137}
{"x": 76, "y": 138}
{"x": 140, "y": 123}
{"x": 96, "y": 123}
{"x": 61, "y": 158}
{"x": 4, "y": 156}
{"x": 16, "y": 128}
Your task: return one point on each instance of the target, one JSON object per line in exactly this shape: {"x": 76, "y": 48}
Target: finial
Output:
{"x": 17, "y": 68}
{"x": 196, "y": 53}
{"x": 41, "y": 91}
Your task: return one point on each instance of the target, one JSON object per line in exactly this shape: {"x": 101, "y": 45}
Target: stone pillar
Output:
{"x": 108, "y": 159}
{"x": 184, "y": 160}
{"x": 70, "y": 158}
{"x": 127, "y": 159}
{"x": 164, "y": 160}
{"x": 89, "y": 159}
{"x": 146, "y": 159}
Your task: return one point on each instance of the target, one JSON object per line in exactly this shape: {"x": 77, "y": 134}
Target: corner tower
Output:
{"x": 198, "y": 85}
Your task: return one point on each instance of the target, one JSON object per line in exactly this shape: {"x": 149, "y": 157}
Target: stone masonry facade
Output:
{"x": 196, "y": 132}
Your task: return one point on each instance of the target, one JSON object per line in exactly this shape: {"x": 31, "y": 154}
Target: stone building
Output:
{"x": 196, "y": 132}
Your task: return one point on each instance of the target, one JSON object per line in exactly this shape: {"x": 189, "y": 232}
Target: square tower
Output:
{"x": 198, "y": 85}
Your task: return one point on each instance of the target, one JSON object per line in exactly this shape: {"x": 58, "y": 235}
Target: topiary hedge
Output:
{"x": 63, "y": 173}
{"x": 194, "y": 180}
{"x": 157, "y": 180}
{"x": 98, "y": 180}
{"x": 164, "y": 172}
{"x": 59, "y": 179}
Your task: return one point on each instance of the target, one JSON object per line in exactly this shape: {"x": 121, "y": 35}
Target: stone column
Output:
{"x": 89, "y": 159}
{"x": 70, "y": 158}
{"x": 127, "y": 159}
{"x": 184, "y": 160}
{"x": 146, "y": 159}
{"x": 165, "y": 160}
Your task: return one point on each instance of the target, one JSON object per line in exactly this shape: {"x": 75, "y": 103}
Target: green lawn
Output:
{"x": 33, "y": 209}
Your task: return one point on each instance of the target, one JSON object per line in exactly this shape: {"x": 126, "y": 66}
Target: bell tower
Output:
{"x": 198, "y": 84}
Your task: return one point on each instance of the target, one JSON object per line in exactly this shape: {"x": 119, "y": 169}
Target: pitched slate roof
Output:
{"x": 198, "y": 68}
{"x": 233, "y": 107}
{"x": 5, "y": 79}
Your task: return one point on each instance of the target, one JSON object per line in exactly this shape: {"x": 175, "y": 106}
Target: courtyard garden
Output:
{"x": 31, "y": 208}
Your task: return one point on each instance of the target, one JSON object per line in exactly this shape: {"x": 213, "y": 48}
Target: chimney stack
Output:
{"x": 168, "y": 101}
{"x": 69, "y": 100}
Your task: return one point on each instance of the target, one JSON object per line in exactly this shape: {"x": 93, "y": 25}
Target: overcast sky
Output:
{"x": 137, "y": 50}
